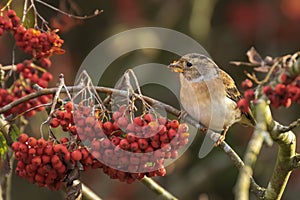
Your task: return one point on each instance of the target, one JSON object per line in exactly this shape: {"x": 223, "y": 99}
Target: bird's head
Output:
{"x": 195, "y": 66}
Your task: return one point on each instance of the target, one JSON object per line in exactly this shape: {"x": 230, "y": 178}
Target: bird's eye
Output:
{"x": 188, "y": 64}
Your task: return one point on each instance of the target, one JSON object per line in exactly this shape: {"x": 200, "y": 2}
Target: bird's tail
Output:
{"x": 248, "y": 119}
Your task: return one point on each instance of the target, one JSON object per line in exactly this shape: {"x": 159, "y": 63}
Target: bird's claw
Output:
{"x": 220, "y": 140}
{"x": 183, "y": 114}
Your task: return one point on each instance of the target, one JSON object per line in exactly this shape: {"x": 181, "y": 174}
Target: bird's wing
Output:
{"x": 230, "y": 88}
{"x": 233, "y": 94}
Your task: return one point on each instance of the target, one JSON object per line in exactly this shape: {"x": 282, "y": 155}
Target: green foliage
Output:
{"x": 3, "y": 145}
{"x": 14, "y": 132}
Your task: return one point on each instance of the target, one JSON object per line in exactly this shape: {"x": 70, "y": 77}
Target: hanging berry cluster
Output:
{"x": 127, "y": 149}
{"x": 40, "y": 45}
{"x": 281, "y": 85}
{"x": 46, "y": 163}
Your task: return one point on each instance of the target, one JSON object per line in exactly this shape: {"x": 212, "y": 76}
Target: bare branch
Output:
{"x": 88, "y": 194}
{"x": 96, "y": 12}
{"x": 286, "y": 153}
{"x": 152, "y": 185}
{"x": 250, "y": 157}
{"x": 283, "y": 129}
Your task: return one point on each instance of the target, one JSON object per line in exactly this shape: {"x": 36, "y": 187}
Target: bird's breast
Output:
{"x": 207, "y": 103}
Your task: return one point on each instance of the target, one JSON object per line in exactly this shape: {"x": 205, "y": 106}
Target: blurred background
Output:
{"x": 226, "y": 29}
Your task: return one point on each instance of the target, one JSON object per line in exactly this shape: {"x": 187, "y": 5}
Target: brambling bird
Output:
{"x": 208, "y": 94}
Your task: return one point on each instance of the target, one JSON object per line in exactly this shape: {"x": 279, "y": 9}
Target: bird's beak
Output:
{"x": 176, "y": 66}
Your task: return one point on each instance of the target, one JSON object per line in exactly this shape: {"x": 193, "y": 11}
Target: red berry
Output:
{"x": 23, "y": 148}
{"x": 11, "y": 13}
{"x": 55, "y": 159}
{"x": 47, "y": 76}
{"x": 36, "y": 161}
{"x": 122, "y": 122}
{"x": 172, "y": 133}
{"x": 105, "y": 143}
{"x": 174, "y": 124}
{"x": 162, "y": 129}
{"x": 249, "y": 94}
{"x": 268, "y": 90}
{"x": 48, "y": 150}
{"x": 124, "y": 144}
{"x": 45, "y": 62}
{"x": 54, "y": 122}
{"x": 116, "y": 115}
{"x": 15, "y": 146}
{"x": 45, "y": 159}
{"x": 23, "y": 138}
{"x": 243, "y": 105}
{"x": 32, "y": 151}
{"x": 164, "y": 138}
{"x": 149, "y": 117}
{"x": 155, "y": 144}
{"x": 293, "y": 92}
{"x": 39, "y": 178}
{"x": 108, "y": 126}
{"x": 138, "y": 121}
{"x": 76, "y": 155}
{"x": 130, "y": 137}
{"x": 134, "y": 146}
{"x": 69, "y": 106}
{"x": 41, "y": 143}
{"x": 182, "y": 128}
{"x": 143, "y": 143}
{"x": 246, "y": 84}
{"x": 115, "y": 140}
{"x": 280, "y": 89}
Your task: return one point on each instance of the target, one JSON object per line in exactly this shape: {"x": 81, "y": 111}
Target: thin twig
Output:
{"x": 97, "y": 12}
{"x": 6, "y": 6}
{"x": 294, "y": 124}
{"x": 24, "y": 11}
{"x": 152, "y": 185}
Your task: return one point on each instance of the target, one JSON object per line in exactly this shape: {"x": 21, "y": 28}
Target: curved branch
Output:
{"x": 250, "y": 157}
{"x": 96, "y": 12}
{"x": 286, "y": 153}
{"x": 291, "y": 126}
{"x": 88, "y": 194}
{"x": 214, "y": 136}
{"x": 152, "y": 185}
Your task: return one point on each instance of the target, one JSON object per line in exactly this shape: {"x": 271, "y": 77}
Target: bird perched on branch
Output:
{"x": 208, "y": 94}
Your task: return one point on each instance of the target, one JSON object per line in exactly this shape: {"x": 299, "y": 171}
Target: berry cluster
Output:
{"x": 41, "y": 45}
{"x": 283, "y": 92}
{"x": 127, "y": 149}
{"x": 9, "y": 22}
{"x": 40, "y": 161}
{"x": 28, "y": 75}
{"x": 46, "y": 163}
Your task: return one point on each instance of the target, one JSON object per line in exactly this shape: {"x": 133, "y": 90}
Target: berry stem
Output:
{"x": 6, "y": 5}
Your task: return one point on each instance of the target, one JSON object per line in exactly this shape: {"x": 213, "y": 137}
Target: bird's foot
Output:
{"x": 183, "y": 114}
{"x": 220, "y": 140}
